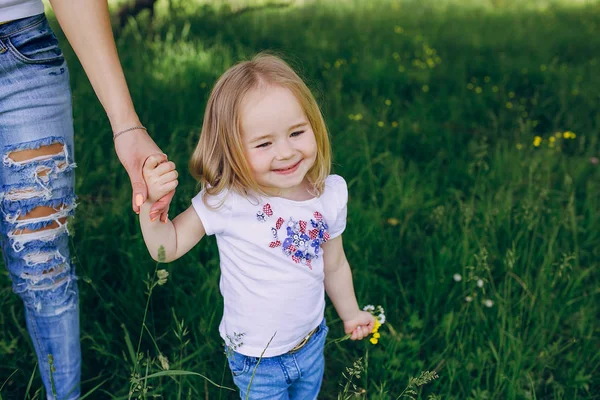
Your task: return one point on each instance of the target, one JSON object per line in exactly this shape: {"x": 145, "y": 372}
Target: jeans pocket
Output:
{"x": 36, "y": 45}
{"x": 238, "y": 363}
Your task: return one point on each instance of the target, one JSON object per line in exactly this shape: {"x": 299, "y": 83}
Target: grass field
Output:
{"x": 468, "y": 135}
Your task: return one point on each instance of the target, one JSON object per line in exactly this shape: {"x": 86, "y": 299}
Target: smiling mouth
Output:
{"x": 288, "y": 170}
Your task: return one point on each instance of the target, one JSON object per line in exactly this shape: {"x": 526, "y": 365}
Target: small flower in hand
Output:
{"x": 366, "y": 322}
{"x": 379, "y": 315}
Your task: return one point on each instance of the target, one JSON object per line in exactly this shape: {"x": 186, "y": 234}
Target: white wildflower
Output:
{"x": 468, "y": 299}
{"x": 457, "y": 277}
{"x": 480, "y": 283}
{"x": 369, "y": 308}
{"x": 488, "y": 303}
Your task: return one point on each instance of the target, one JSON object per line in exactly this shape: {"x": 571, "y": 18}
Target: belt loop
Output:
{"x": 3, "y": 48}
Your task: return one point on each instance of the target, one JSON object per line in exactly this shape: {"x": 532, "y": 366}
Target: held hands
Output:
{"x": 360, "y": 326}
{"x": 160, "y": 177}
{"x": 133, "y": 148}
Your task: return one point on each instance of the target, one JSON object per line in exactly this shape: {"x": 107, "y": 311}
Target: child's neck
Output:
{"x": 302, "y": 192}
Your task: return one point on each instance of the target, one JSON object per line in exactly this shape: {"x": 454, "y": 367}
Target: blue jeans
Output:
{"x": 290, "y": 376}
{"x": 36, "y": 196}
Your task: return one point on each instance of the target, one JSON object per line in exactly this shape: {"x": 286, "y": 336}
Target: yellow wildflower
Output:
{"x": 511, "y": 95}
{"x": 380, "y": 124}
{"x": 552, "y": 139}
{"x": 425, "y": 88}
{"x": 377, "y": 325}
{"x": 487, "y": 79}
{"x": 388, "y": 102}
{"x": 373, "y": 341}
{"x": 376, "y": 335}
{"x": 509, "y": 105}
{"x": 537, "y": 141}
{"x": 495, "y": 89}
{"x": 470, "y": 86}
{"x": 519, "y": 146}
{"x": 478, "y": 90}
{"x": 395, "y": 124}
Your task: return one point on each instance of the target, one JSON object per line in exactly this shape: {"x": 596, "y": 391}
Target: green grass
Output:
{"x": 433, "y": 108}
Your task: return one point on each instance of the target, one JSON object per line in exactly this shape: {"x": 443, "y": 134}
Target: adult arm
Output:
{"x": 86, "y": 24}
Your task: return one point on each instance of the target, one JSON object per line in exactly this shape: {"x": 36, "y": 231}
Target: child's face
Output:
{"x": 279, "y": 142}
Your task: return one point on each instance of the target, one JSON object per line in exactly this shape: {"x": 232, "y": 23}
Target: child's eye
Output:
{"x": 265, "y": 144}
{"x": 298, "y": 133}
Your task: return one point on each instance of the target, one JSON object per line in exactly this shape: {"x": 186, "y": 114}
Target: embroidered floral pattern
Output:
{"x": 266, "y": 211}
{"x": 303, "y": 239}
{"x": 261, "y": 217}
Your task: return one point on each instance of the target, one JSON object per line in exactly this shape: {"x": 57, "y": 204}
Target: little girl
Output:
{"x": 278, "y": 215}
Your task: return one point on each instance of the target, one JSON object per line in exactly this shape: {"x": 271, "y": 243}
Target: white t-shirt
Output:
{"x": 15, "y": 9}
{"x": 272, "y": 264}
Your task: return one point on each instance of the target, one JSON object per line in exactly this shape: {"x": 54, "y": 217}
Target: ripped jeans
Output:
{"x": 36, "y": 196}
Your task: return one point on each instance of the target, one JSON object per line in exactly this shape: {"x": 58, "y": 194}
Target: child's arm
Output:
{"x": 338, "y": 284}
{"x": 177, "y": 237}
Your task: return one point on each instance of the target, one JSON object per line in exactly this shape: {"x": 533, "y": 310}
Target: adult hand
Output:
{"x": 133, "y": 148}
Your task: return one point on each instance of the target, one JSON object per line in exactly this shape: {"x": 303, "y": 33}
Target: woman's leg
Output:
{"x": 36, "y": 196}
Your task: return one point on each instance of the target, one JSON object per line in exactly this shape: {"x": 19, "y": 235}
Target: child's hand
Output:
{"x": 360, "y": 326}
{"x": 160, "y": 177}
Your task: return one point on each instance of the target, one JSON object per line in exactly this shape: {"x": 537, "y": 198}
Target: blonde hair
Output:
{"x": 218, "y": 162}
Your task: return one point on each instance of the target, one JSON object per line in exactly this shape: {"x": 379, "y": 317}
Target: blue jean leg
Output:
{"x": 37, "y": 196}
{"x": 311, "y": 361}
{"x": 290, "y": 376}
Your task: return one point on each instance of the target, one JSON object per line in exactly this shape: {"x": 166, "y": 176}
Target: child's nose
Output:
{"x": 284, "y": 150}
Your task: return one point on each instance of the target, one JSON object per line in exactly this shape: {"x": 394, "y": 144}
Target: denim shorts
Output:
{"x": 291, "y": 376}
{"x": 37, "y": 196}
